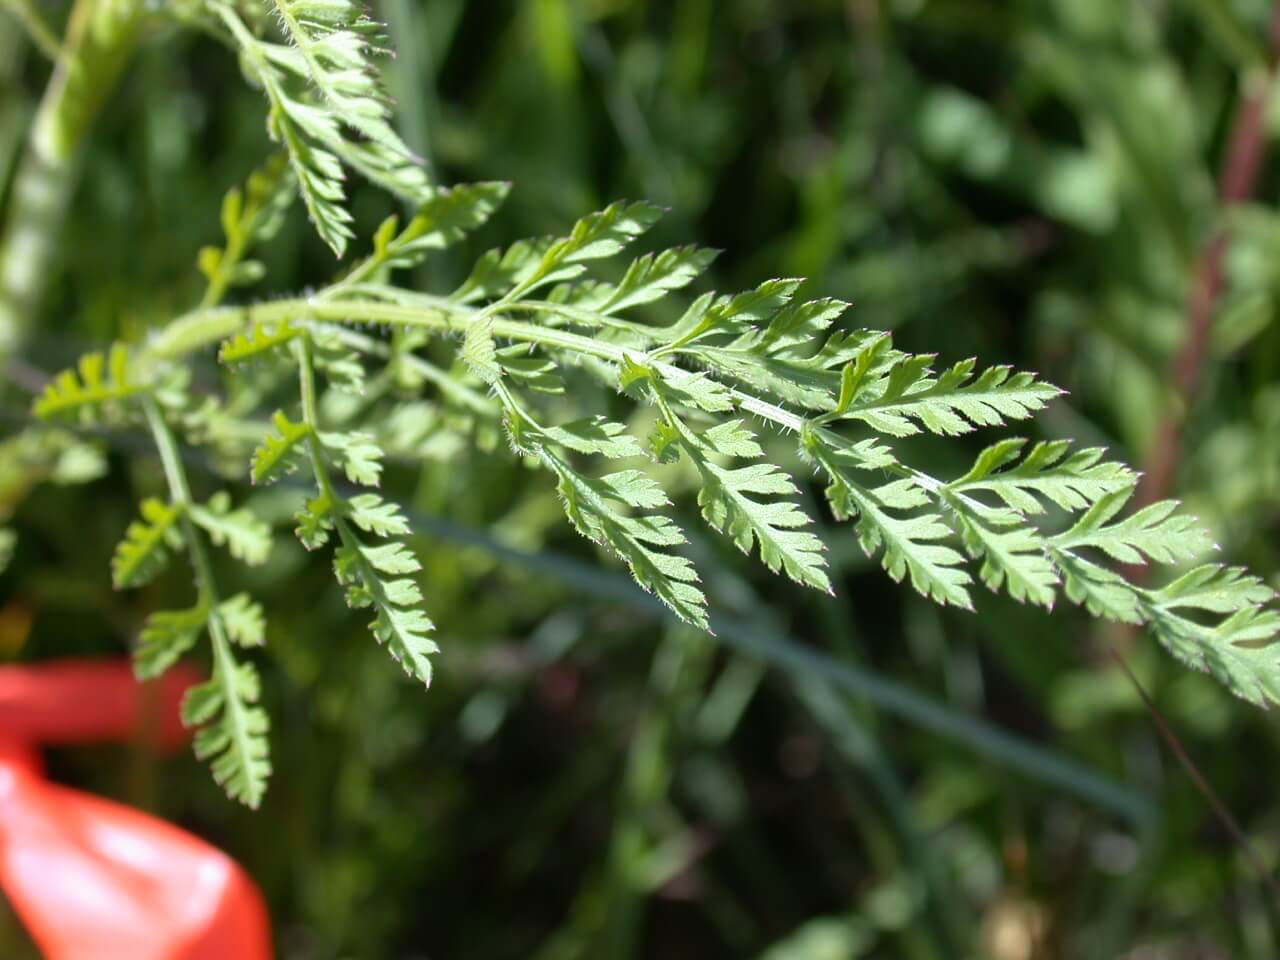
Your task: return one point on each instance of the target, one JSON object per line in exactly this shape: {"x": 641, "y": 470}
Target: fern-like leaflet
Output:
{"x": 100, "y": 381}
{"x": 147, "y": 542}
{"x": 232, "y": 728}
{"x": 373, "y": 575}
{"x": 321, "y": 86}
{"x": 249, "y": 217}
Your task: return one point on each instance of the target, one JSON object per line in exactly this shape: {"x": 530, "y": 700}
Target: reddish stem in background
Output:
{"x": 1220, "y": 810}
{"x": 1246, "y": 148}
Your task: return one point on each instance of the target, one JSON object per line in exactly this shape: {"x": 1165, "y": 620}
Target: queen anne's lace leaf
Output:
{"x": 321, "y": 89}
{"x": 1012, "y": 552}
{"x": 535, "y": 371}
{"x": 528, "y": 313}
{"x": 615, "y": 510}
{"x": 597, "y": 235}
{"x": 601, "y": 234}
{"x": 697, "y": 391}
{"x": 99, "y": 382}
{"x": 1214, "y": 588}
{"x": 373, "y": 575}
{"x": 710, "y": 315}
{"x": 359, "y": 455}
{"x": 750, "y": 503}
{"x": 769, "y": 359}
{"x": 596, "y": 508}
{"x": 908, "y": 397}
{"x": 310, "y": 135}
{"x": 442, "y": 220}
{"x": 166, "y": 636}
{"x": 371, "y": 513}
{"x": 393, "y": 558}
{"x": 249, "y": 217}
{"x": 247, "y": 537}
{"x": 770, "y": 346}
{"x": 144, "y": 551}
{"x": 530, "y": 264}
{"x": 315, "y": 522}
{"x": 765, "y": 353}
{"x": 334, "y": 41}
{"x": 341, "y": 364}
{"x": 479, "y": 352}
{"x": 232, "y": 730}
{"x": 244, "y": 620}
{"x": 912, "y": 545}
{"x": 399, "y": 623}
{"x": 595, "y": 435}
{"x": 1240, "y": 650}
{"x": 1155, "y": 531}
{"x": 1102, "y": 591}
{"x": 1049, "y": 472}
{"x": 649, "y": 277}
{"x": 260, "y": 339}
{"x": 498, "y": 272}
{"x": 798, "y": 327}
{"x": 731, "y": 502}
{"x": 280, "y": 452}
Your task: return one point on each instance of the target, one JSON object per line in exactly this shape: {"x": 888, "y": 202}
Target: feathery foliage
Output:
{"x": 144, "y": 551}
{"x": 231, "y": 729}
{"x": 325, "y": 106}
{"x": 99, "y": 382}
{"x": 530, "y": 322}
{"x": 250, "y": 217}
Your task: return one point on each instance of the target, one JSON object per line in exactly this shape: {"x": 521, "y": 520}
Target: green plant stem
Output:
{"x": 100, "y": 36}
{"x": 224, "y": 662}
{"x": 315, "y": 452}
{"x": 454, "y": 389}
{"x": 311, "y": 417}
{"x": 220, "y": 282}
{"x": 202, "y": 328}
{"x": 44, "y": 38}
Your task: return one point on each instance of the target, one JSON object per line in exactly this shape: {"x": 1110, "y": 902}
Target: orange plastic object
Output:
{"x": 96, "y": 880}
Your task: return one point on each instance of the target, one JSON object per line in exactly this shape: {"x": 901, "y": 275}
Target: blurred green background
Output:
{"x": 1033, "y": 182}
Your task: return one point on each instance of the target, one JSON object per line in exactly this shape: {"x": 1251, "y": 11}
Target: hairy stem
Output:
{"x": 201, "y": 329}
{"x": 100, "y": 36}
